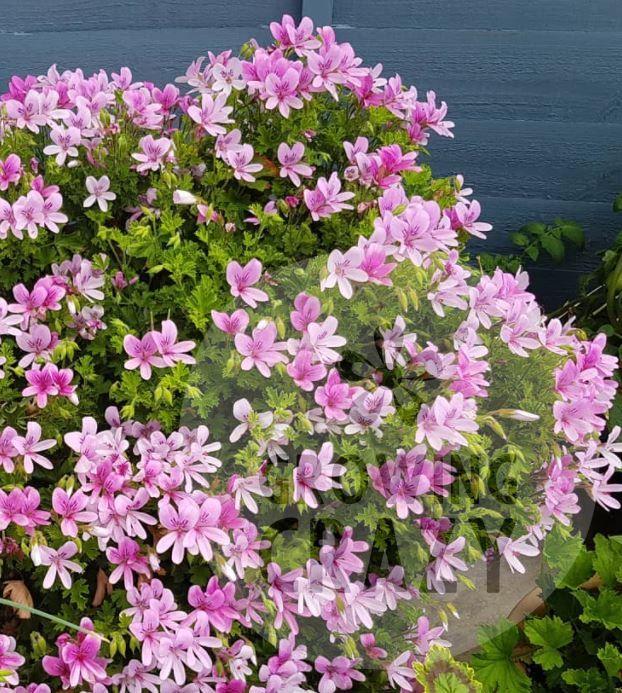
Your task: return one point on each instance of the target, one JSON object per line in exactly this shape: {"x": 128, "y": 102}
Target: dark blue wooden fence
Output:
{"x": 535, "y": 86}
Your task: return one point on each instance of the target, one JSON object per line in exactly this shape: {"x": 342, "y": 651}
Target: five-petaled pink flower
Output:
{"x": 143, "y": 354}
{"x": 154, "y": 153}
{"x": 59, "y": 562}
{"x": 290, "y": 159}
{"x": 99, "y": 192}
{"x": 315, "y": 472}
{"x": 241, "y": 280}
{"x": 261, "y": 350}
{"x": 240, "y": 161}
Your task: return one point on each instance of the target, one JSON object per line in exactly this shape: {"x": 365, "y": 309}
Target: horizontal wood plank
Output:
{"x": 20, "y": 16}
{"x": 563, "y": 161}
{"x": 573, "y": 15}
{"x": 158, "y": 55}
{"x": 560, "y": 76}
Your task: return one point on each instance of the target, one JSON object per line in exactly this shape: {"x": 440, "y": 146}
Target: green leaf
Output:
{"x": 572, "y": 232}
{"x": 587, "y": 680}
{"x": 554, "y": 247}
{"x": 519, "y": 239}
{"x": 532, "y": 252}
{"x": 561, "y": 551}
{"x": 606, "y": 608}
{"x": 608, "y": 558}
{"x": 549, "y": 634}
{"x": 534, "y": 228}
{"x": 617, "y": 203}
{"x": 580, "y": 571}
{"x": 611, "y": 657}
{"x": 494, "y": 665}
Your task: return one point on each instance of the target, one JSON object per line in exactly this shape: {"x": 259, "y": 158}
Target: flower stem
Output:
{"x": 50, "y": 617}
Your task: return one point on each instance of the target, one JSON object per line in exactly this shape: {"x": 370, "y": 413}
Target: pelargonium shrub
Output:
{"x": 257, "y": 410}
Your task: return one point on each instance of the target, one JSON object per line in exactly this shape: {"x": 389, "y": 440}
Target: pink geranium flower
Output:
{"x": 212, "y": 114}
{"x": 128, "y": 560}
{"x": 143, "y": 354}
{"x": 304, "y": 370}
{"x": 71, "y": 509}
{"x": 338, "y": 674}
{"x": 49, "y": 381}
{"x": 261, "y": 350}
{"x": 59, "y": 563}
{"x": 153, "y": 154}
{"x": 315, "y": 472}
{"x": 65, "y": 143}
{"x": 10, "y": 171}
{"x": 231, "y": 324}
{"x": 99, "y": 192}
{"x": 30, "y": 446}
{"x": 180, "y": 524}
{"x": 290, "y": 159}
{"x": 344, "y": 268}
{"x": 241, "y": 280}
{"x": 281, "y": 91}
{"x": 511, "y": 549}
{"x": 240, "y": 161}
{"x": 169, "y": 348}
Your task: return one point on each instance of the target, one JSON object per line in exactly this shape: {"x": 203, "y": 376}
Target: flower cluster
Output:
{"x": 370, "y": 397}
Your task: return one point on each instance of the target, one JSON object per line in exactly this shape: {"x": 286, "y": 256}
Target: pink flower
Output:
{"x": 10, "y": 171}
{"x": 231, "y": 324}
{"x": 214, "y": 606}
{"x": 65, "y": 143}
{"x": 368, "y": 641}
{"x": 511, "y": 549}
{"x": 445, "y": 420}
{"x": 240, "y": 161}
{"x": 242, "y": 551}
{"x": 59, "y": 563}
{"x": 466, "y": 217}
{"x": 143, "y": 354}
{"x": 261, "y": 350}
{"x": 315, "y": 472}
{"x": 308, "y": 309}
{"x": 128, "y": 560}
{"x": 290, "y": 160}
{"x": 71, "y": 509}
{"x": 424, "y": 636}
{"x": 153, "y": 154}
{"x": 243, "y": 412}
{"x": 343, "y": 269}
{"x": 281, "y": 91}
{"x": 300, "y": 37}
{"x": 601, "y": 490}
{"x": 8, "y": 451}
{"x": 10, "y": 660}
{"x": 28, "y": 213}
{"x": 212, "y": 114}
{"x": 327, "y": 198}
{"x": 338, "y": 674}
{"x": 335, "y": 396}
{"x": 442, "y": 568}
{"x": 84, "y": 663}
{"x": 322, "y": 339}
{"x": 47, "y": 381}
{"x": 31, "y": 445}
{"x": 399, "y": 672}
{"x": 241, "y": 280}
{"x": 180, "y": 524}
{"x": 304, "y": 371}
{"x": 99, "y": 192}
{"x": 169, "y": 348}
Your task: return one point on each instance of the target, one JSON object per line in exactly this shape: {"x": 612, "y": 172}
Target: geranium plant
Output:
{"x": 257, "y": 413}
